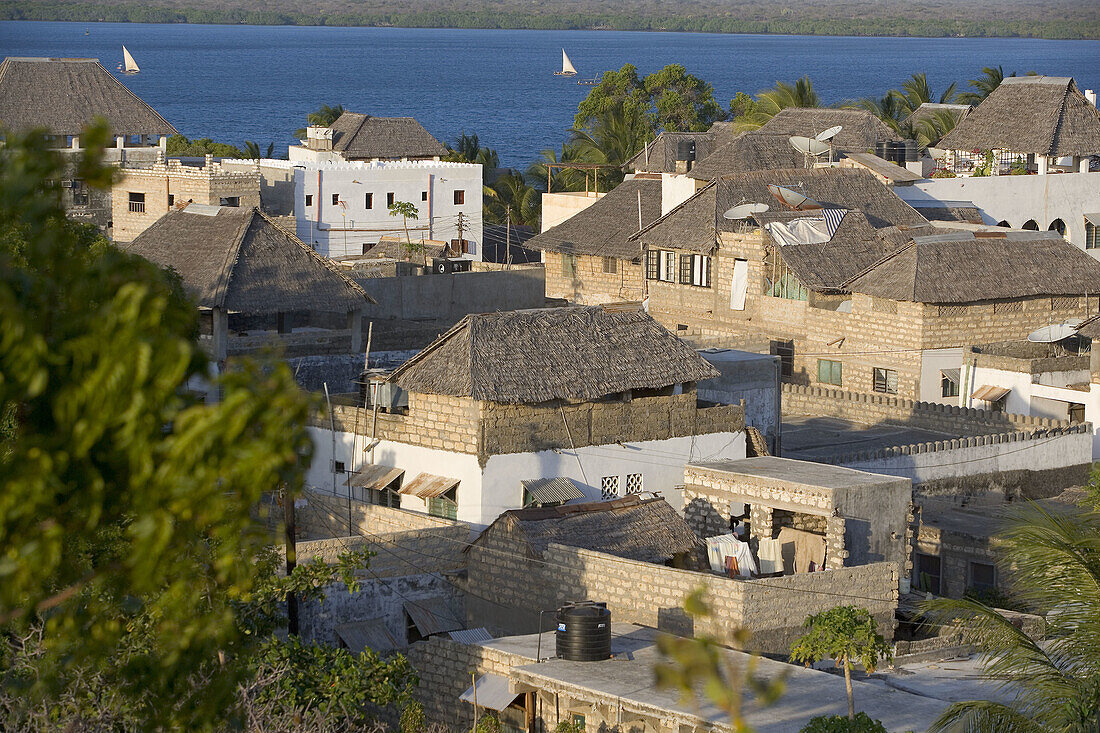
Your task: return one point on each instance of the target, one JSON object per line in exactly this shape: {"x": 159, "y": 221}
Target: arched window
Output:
{"x": 1003, "y": 223}
{"x": 1057, "y": 226}
{"x": 1030, "y": 224}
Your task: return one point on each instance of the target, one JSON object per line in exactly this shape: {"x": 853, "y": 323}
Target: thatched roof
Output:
{"x": 748, "y": 152}
{"x": 533, "y": 356}
{"x": 694, "y": 225}
{"x": 926, "y": 110}
{"x": 1090, "y": 328}
{"x": 66, "y": 95}
{"x": 958, "y": 267}
{"x": 648, "y": 530}
{"x": 363, "y": 137}
{"x": 393, "y": 248}
{"x": 660, "y": 155}
{"x": 1047, "y": 115}
{"x": 861, "y": 129}
{"x": 605, "y": 227}
{"x": 240, "y": 260}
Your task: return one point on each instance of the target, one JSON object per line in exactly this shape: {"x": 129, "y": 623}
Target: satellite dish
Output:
{"x": 808, "y": 146}
{"x": 744, "y": 211}
{"x": 793, "y": 199}
{"x": 829, "y": 134}
{"x": 1050, "y": 334}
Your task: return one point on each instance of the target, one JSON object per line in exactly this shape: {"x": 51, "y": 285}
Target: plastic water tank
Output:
{"x": 584, "y": 632}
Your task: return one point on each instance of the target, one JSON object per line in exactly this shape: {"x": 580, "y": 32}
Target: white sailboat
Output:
{"x": 566, "y": 66}
{"x": 129, "y": 65}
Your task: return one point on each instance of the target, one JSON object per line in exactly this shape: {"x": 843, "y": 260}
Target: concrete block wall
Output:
{"x": 589, "y": 284}
{"x": 432, "y": 421}
{"x": 445, "y": 669}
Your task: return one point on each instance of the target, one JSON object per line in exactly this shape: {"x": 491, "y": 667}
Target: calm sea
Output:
{"x": 233, "y": 83}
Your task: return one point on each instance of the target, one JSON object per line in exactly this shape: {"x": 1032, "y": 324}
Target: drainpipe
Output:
{"x": 431, "y": 197}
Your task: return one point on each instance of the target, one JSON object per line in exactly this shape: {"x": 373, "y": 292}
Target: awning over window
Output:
{"x": 370, "y": 634}
{"x": 429, "y": 486}
{"x": 470, "y": 636}
{"x": 492, "y": 692}
{"x": 1093, "y": 219}
{"x": 951, "y": 374}
{"x": 551, "y": 490}
{"x": 434, "y": 616}
{"x": 373, "y": 476}
{"x": 989, "y": 393}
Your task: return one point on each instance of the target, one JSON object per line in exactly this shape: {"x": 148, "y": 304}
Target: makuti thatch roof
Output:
{"x": 748, "y": 152}
{"x": 533, "y": 356}
{"x": 605, "y": 227}
{"x": 695, "y": 224}
{"x": 241, "y": 261}
{"x": 860, "y": 129}
{"x": 1047, "y": 115}
{"x": 647, "y": 530}
{"x": 660, "y": 155}
{"x": 960, "y": 268}
{"x": 66, "y": 95}
{"x": 363, "y": 137}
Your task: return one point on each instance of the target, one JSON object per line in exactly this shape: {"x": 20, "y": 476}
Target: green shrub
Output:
{"x": 413, "y": 719}
{"x": 840, "y": 724}
{"x": 487, "y": 724}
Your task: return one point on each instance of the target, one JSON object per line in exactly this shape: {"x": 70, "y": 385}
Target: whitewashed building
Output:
{"x": 522, "y": 408}
{"x": 342, "y": 208}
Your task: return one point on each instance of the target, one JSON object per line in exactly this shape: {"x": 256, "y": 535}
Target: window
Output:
{"x": 337, "y": 466}
{"x": 983, "y": 575}
{"x": 885, "y": 380}
{"x": 368, "y": 201}
{"x": 309, "y": 199}
{"x": 1092, "y": 235}
{"x": 137, "y": 203}
{"x": 668, "y": 267}
{"x": 779, "y": 281}
{"x": 928, "y": 573}
{"x": 829, "y": 372}
{"x": 423, "y": 195}
{"x": 1076, "y": 412}
{"x": 568, "y": 266}
{"x": 610, "y": 265}
{"x": 412, "y": 632}
{"x": 785, "y": 351}
{"x": 609, "y": 487}
{"x": 385, "y": 497}
{"x": 700, "y": 271}
{"x": 80, "y": 193}
{"x": 335, "y": 199}
{"x": 634, "y": 483}
{"x": 685, "y": 269}
{"x": 233, "y": 201}
{"x": 460, "y": 197}
{"x": 445, "y": 506}
{"x": 949, "y": 385}
{"x": 652, "y": 264}
{"x": 171, "y": 200}
{"x": 577, "y": 720}
{"x": 389, "y": 199}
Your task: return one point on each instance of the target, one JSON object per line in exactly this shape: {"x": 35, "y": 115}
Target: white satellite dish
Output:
{"x": 1050, "y": 334}
{"x": 744, "y": 211}
{"x": 808, "y": 145}
{"x": 793, "y": 199}
{"x": 829, "y": 134}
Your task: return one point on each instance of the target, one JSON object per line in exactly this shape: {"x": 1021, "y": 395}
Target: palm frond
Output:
{"x": 983, "y": 716}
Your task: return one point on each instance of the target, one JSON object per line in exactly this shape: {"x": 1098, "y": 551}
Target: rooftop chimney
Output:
{"x": 1091, "y": 96}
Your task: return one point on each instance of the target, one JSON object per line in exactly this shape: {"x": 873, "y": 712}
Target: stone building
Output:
{"x": 883, "y": 302}
{"x": 1043, "y": 124}
{"x": 605, "y": 399}
{"x": 355, "y": 136}
{"x": 252, "y": 279}
{"x": 63, "y": 96}
{"x": 589, "y": 257}
{"x": 140, "y": 196}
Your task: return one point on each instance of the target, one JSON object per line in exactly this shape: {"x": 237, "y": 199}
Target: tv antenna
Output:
{"x": 809, "y": 146}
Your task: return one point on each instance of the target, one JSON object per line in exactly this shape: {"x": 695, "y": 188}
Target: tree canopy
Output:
{"x": 669, "y": 99}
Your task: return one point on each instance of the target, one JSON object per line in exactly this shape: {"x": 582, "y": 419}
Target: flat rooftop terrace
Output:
{"x": 816, "y": 438}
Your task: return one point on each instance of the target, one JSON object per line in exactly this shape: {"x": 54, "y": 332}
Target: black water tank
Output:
{"x": 912, "y": 151}
{"x": 880, "y": 149}
{"x": 584, "y": 632}
{"x": 685, "y": 150}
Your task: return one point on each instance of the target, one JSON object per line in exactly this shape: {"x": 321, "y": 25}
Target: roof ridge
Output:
{"x": 232, "y": 257}
{"x": 670, "y": 212}
{"x": 1059, "y": 119}
{"x": 135, "y": 96}
{"x": 324, "y": 261}
{"x": 432, "y": 347}
{"x": 877, "y": 263}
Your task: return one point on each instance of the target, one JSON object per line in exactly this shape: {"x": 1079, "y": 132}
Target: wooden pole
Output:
{"x": 291, "y": 560}
{"x": 473, "y": 678}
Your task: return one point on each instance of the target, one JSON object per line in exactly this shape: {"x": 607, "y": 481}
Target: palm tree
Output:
{"x": 513, "y": 199}
{"x": 1055, "y": 560}
{"x": 887, "y": 108}
{"x": 252, "y": 150}
{"x": 613, "y": 138}
{"x": 930, "y": 129}
{"x": 323, "y": 117}
{"x": 560, "y": 179}
{"x": 991, "y": 78}
{"x": 768, "y": 103}
{"x": 407, "y": 210}
{"x": 916, "y": 90}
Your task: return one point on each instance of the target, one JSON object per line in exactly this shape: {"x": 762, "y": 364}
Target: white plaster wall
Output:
{"x": 338, "y": 231}
{"x": 661, "y": 463}
{"x": 557, "y": 207}
{"x": 932, "y": 362}
{"x": 1016, "y": 199}
{"x": 675, "y": 190}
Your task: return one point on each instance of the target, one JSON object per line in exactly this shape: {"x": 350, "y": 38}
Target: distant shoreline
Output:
{"x": 28, "y": 10}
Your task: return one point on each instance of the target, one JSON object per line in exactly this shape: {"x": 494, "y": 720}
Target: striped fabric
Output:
{"x": 832, "y": 219}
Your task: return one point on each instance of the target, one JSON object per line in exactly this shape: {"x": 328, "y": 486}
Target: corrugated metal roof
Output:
{"x": 990, "y": 393}
{"x": 471, "y": 636}
{"x": 434, "y": 616}
{"x": 952, "y": 374}
{"x": 492, "y": 692}
{"x": 370, "y": 634}
{"x": 1094, "y": 219}
{"x": 373, "y": 476}
{"x": 550, "y": 490}
{"x": 429, "y": 486}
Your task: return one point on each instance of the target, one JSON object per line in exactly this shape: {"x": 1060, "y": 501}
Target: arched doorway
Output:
{"x": 1030, "y": 224}
{"x": 1057, "y": 226}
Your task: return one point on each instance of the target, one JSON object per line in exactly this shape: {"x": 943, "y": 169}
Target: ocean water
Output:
{"x": 236, "y": 83}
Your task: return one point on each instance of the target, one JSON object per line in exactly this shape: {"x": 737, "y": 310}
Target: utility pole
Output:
{"x": 460, "y": 223}
{"x": 508, "y": 238}
{"x": 291, "y": 560}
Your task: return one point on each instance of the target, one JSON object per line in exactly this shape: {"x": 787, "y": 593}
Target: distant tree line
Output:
{"x": 815, "y": 19}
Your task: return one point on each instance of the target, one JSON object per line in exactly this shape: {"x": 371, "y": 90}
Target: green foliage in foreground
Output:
{"x": 863, "y": 723}
{"x": 1059, "y": 21}
{"x": 131, "y": 569}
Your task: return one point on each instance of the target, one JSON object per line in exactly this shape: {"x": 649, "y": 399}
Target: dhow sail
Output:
{"x": 566, "y": 66}
{"x": 131, "y": 66}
